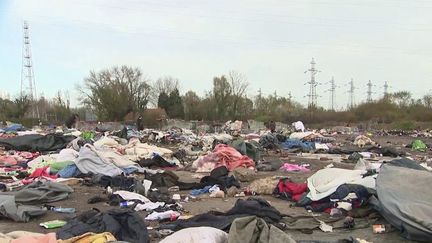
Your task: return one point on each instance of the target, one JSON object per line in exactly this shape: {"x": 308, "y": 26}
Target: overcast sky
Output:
{"x": 271, "y": 42}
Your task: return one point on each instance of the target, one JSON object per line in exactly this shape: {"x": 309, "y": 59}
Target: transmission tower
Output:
{"x": 312, "y": 85}
{"x": 351, "y": 94}
{"x": 369, "y": 92}
{"x": 332, "y": 91}
{"x": 28, "y": 85}
{"x": 386, "y": 86}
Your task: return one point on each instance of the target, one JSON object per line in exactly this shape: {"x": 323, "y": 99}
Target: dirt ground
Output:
{"x": 78, "y": 199}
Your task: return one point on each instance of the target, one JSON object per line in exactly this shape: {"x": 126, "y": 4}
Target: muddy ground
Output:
{"x": 78, "y": 199}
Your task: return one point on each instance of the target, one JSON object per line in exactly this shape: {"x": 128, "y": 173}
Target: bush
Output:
{"x": 404, "y": 125}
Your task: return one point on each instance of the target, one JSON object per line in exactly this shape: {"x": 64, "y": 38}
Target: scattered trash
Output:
{"x": 217, "y": 194}
{"x": 176, "y": 197}
{"x": 63, "y": 210}
{"x": 170, "y": 214}
{"x": 126, "y": 204}
{"x": 336, "y": 212}
{"x": 115, "y": 163}
{"x": 378, "y": 228}
{"x": 325, "y": 227}
{"x": 53, "y": 224}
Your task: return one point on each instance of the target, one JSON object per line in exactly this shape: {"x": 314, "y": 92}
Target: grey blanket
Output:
{"x": 41, "y": 192}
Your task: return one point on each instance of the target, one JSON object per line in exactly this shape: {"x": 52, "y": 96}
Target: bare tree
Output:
{"x": 427, "y": 101}
{"x": 165, "y": 85}
{"x": 239, "y": 86}
{"x": 115, "y": 92}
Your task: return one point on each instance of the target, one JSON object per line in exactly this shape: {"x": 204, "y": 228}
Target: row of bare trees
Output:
{"x": 112, "y": 93}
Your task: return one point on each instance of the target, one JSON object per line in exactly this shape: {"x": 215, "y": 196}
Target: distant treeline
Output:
{"x": 113, "y": 93}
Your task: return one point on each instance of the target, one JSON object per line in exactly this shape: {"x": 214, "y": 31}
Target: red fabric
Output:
{"x": 296, "y": 197}
{"x": 42, "y": 172}
{"x": 231, "y": 158}
{"x": 293, "y": 189}
{"x": 327, "y": 210}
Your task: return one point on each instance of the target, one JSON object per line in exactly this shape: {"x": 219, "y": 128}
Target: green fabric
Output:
{"x": 87, "y": 135}
{"x": 246, "y": 148}
{"x": 419, "y": 145}
{"x": 57, "y": 166}
{"x": 255, "y": 230}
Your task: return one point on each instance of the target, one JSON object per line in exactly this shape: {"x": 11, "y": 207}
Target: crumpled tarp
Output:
{"x": 18, "y": 213}
{"x": 255, "y": 230}
{"x": 407, "y": 163}
{"x": 223, "y": 155}
{"x": 41, "y": 192}
{"x": 406, "y": 203}
{"x": 35, "y": 142}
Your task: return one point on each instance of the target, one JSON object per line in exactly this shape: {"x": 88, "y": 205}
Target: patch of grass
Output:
{"x": 404, "y": 125}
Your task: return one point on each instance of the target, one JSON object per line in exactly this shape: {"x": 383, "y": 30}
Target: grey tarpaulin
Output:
{"x": 406, "y": 203}
{"x": 255, "y": 230}
{"x": 41, "y": 192}
{"x": 19, "y": 213}
{"x": 36, "y": 142}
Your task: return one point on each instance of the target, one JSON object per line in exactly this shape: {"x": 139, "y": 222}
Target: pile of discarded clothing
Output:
{"x": 297, "y": 142}
{"x": 136, "y": 174}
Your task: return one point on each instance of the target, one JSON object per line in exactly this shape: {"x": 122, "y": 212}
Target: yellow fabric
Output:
{"x": 90, "y": 238}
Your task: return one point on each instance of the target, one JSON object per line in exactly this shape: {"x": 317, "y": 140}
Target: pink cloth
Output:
{"x": 8, "y": 160}
{"x": 224, "y": 155}
{"x": 48, "y": 238}
{"x": 294, "y": 167}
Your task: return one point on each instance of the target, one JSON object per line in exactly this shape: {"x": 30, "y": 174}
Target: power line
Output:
{"x": 240, "y": 40}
